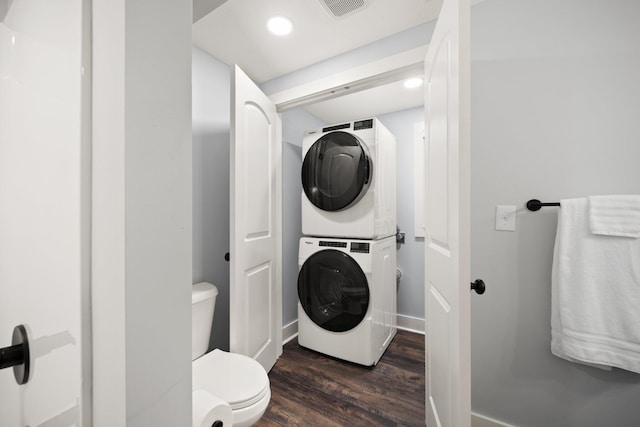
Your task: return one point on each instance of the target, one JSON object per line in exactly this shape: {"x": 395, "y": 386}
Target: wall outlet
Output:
{"x": 505, "y": 218}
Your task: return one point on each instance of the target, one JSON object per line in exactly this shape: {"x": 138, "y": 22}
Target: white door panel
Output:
{"x": 446, "y": 199}
{"x": 256, "y": 218}
{"x": 43, "y": 211}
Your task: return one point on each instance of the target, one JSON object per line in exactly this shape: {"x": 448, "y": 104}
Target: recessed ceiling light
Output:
{"x": 279, "y": 25}
{"x": 413, "y": 83}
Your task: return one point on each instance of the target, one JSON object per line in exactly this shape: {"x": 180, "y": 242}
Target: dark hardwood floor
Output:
{"x": 311, "y": 389}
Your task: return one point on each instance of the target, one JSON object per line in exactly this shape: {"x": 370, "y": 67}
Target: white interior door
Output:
{"x": 447, "y": 106}
{"x": 44, "y": 211}
{"x": 256, "y": 220}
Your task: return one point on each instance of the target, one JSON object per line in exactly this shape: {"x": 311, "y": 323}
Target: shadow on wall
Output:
{"x": 211, "y": 222}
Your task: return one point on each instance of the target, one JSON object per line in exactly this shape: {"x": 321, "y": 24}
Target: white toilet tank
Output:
{"x": 203, "y": 302}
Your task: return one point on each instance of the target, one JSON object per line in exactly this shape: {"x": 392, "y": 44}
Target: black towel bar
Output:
{"x": 535, "y": 204}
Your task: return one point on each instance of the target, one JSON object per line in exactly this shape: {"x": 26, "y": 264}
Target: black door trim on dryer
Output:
{"x": 333, "y": 290}
{"x": 336, "y": 171}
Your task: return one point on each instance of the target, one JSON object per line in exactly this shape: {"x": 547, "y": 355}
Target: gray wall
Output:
{"x": 555, "y": 105}
{"x": 211, "y": 143}
{"x": 201, "y": 8}
{"x": 141, "y": 216}
{"x": 158, "y": 212}
{"x": 4, "y": 8}
{"x": 411, "y": 254}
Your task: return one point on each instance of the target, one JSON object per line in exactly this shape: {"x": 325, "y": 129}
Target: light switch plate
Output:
{"x": 505, "y": 218}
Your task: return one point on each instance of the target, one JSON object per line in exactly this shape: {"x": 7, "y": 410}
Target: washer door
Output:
{"x": 333, "y": 290}
{"x": 336, "y": 171}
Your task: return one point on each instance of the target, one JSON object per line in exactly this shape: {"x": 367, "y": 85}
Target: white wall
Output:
{"x": 555, "y": 105}
{"x": 211, "y": 143}
{"x": 142, "y": 213}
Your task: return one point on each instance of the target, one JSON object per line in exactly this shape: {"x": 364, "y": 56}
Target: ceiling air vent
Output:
{"x": 340, "y": 8}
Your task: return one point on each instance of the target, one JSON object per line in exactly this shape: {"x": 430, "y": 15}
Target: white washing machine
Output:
{"x": 349, "y": 181}
{"x": 347, "y": 301}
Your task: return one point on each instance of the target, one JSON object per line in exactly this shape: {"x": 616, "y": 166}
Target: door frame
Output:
{"x": 373, "y": 74}
{"x": 393, "y": 68}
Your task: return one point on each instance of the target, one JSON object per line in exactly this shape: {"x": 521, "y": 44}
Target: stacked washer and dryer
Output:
{"x": 347, "y": 281}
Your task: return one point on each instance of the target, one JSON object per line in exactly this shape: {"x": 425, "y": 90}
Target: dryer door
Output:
{"x": 333, "y": 290}
{"x": 336, "y": 171}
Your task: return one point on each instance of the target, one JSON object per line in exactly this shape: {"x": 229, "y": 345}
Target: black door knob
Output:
{"x": 478, "y": 286}
{"x": 17, "y": 355}
{"x": 226, "y": 256}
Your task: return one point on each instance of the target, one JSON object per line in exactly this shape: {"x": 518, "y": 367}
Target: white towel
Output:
{"x": 595, "y": 298}
{"x": 615, "y": 215}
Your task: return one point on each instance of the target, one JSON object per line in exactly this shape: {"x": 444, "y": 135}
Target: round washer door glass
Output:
{"x": 333, "y": 290}
{"x": 335, "y": 171}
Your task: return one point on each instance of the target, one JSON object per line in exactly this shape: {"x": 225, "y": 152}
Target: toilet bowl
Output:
{"x": 234, "y": 378}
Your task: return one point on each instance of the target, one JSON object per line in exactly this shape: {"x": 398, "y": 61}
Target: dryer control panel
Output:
{"x": 363, "y": 124}
{"x": 360, "y": 247}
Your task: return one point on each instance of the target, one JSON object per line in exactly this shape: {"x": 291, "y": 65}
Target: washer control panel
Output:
{"x": 332, "y": 244}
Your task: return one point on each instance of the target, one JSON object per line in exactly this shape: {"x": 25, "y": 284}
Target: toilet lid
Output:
{"x": 237, "y": 379}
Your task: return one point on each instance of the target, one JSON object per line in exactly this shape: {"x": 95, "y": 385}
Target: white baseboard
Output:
{"x": 478, "y": 420}
{"x": 289, "y": 332}
{"x": 411, "y": 324}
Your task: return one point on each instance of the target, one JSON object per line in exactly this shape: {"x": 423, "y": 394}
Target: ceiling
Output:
{"x": 235, "y": 33}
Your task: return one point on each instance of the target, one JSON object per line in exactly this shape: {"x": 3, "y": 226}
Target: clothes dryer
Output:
{"x": 349, "y": 181}
{"x": 347, "y": 297}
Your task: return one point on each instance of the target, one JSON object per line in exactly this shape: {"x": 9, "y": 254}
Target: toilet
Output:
{"x": 236, "y": 379}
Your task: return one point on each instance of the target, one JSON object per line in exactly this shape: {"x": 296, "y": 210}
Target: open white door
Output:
{"x": 44, "y": 211}
{"x": 256, "y": 220}
{"x": 447, "y": 310}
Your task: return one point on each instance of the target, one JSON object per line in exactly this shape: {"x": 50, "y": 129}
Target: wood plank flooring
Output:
{"x": 311, "y": 389}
